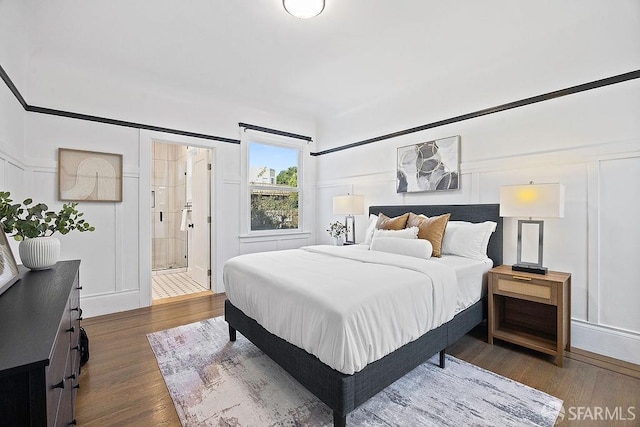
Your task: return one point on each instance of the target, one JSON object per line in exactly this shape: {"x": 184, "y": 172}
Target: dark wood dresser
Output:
{"x": 39, "y": 347}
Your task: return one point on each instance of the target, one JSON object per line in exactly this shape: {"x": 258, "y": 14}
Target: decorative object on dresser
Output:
{"x": 533, "y": 200}
{"x": 33, "y": 226}
{"x": 349, "y": 205}
{"x": 89, "y": 176}
{"x": 8, "y": 266}
{"x": 531, "y": 310}
{"x": 429, "y": 166}
{"x": 40, "y": 347}
{"x": 460, "y": 395}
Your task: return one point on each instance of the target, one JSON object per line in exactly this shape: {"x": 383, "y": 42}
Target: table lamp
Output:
{"x": 349, "y": 205}
{"x": 533, "y": 201}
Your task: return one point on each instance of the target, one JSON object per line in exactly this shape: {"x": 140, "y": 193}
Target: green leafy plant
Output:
{"x": 337, "y": 229}
{"x": 28, "y": 220}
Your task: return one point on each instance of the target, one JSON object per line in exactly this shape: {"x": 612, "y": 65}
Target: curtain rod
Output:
{"x": 274, "y": 131}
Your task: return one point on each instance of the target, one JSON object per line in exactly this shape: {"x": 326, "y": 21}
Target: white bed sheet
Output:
{"x": 347, "y": 307}
{"x": 471, "y": 275}
{"x": 472, "y": 278}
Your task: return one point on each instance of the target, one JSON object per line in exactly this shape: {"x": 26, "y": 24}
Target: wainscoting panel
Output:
{"x": 596, "y": 241}
{"x": 619, "y": 234}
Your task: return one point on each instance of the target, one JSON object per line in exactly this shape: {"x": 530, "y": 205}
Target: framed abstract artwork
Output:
{"x": 89, "y": 176}
{"x": 429, "y": 166}
{"x": 8, "y": 266}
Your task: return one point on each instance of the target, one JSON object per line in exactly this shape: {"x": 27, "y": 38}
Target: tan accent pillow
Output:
{"x": 431, "y": 229}
{"x": 396, "y": 223}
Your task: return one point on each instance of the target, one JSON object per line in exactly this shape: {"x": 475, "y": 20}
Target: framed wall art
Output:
{"x": 429, "y": 166}
{"x": 8, "y": 266}
{"x": 89, "y": 176}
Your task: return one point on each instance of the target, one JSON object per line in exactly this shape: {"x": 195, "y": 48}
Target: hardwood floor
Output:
{"x": 121, "y": 384}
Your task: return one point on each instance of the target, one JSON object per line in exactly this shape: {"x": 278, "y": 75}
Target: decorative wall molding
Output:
{"x": 605, "y": 340}
{"x": 52, "y": 167}
{"x": 503, "y": 107}
{"x": 274, "y": 236}
{"x": 53, "y": 112}
{"x": 565, "y": 156}
{"x": 582, "y": 154}
{"x": 590, "y": 334}
{"x": 620, "y": 78}
{"x": 593, "y": 243}
{"x": 8, "y": 158}
{"x": 99, "y": 304}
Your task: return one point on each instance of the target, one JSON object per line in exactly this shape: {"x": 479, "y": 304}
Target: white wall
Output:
{"x": 116, "y": 266}
{"x": 11, "y": 141}
{"x": 116, "y": 258}
{"x": 13, "y": 39}
{"x": 590, "y": 142}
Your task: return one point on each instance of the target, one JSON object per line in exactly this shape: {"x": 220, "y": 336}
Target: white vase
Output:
{"x": 338, "y": 241}
{"x": 39, "y": 253}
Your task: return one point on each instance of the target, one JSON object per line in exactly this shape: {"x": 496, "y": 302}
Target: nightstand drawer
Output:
{"x": 526, "y": 289}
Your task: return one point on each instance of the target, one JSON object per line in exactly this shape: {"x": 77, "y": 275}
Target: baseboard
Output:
{"x": 97, "y": 305}
{"x": 615, "y": 343}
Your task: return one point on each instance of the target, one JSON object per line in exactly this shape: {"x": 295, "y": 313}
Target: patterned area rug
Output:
{"x": 214, "y": 382}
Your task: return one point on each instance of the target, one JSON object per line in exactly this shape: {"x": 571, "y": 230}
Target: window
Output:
{"x": 274, "y": 187}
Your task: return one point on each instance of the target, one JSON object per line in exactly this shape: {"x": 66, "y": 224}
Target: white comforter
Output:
{"x": 348, "y": 308}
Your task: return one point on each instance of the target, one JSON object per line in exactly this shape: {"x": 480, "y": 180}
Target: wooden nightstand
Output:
{"x": 531, "y": 310}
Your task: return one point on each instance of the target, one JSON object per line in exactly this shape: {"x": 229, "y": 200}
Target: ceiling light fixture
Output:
{"x": 303, "y": 9}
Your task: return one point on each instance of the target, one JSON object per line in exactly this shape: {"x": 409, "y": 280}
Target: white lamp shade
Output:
{"x": 350, "y": 204}
{"x": 532, "y": 200}
{"x": 303, "y": 9}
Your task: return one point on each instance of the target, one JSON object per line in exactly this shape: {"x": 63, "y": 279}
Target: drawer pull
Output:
{"x": 71, "y": 377}
{"x": 59, "y": 385}
{"x": 80, "y": 318}
{"x": 528, "y": 279}
{"x": 76, "y": 348}
{"x": 71, "y": 329}
{"x": 76, "y": 386}
{"x": 72, "y": 422}
{"x": 79, "y": 288}
{"x": 75, "y": 309}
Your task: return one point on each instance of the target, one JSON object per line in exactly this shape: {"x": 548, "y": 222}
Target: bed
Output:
{"x": 343, "y": 392}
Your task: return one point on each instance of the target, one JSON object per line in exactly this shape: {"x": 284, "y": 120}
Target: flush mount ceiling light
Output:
{"x": 303, "y": 9}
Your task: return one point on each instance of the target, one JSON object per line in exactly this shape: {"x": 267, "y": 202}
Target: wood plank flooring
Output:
{"x": 121, "y": 384}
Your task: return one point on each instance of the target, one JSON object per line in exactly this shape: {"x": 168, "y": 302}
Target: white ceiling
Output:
{"x": 357, "y": 55}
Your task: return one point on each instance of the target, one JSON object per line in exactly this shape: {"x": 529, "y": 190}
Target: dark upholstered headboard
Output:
{"x": 471, "y": 213}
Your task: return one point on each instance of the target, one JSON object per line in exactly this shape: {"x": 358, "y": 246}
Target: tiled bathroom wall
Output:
{"x": 168, "y": 185}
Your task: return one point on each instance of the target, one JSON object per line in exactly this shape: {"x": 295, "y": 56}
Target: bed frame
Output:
{"x": 343, "y": 393}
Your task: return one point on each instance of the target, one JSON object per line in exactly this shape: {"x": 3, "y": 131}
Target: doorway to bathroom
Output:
{"x": 180, "y": 221}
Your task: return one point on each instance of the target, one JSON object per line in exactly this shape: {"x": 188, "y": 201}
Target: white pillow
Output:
{"x": 405, "y": 233}
{"x": 419, "y": 248}
{"x": 467, "y": 239}
{"x": 373, "y": 220}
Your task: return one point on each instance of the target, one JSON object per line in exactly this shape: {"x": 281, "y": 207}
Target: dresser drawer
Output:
{"x": 75, "y": 315}
{"x": 525, "y": 288}
{"x": 64, "y": 414}
{"x": 36, "y": 315}
{"x": 56, "y": 377}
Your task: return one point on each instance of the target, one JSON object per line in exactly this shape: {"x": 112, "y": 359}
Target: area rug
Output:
{"x": 214, "y": 382}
